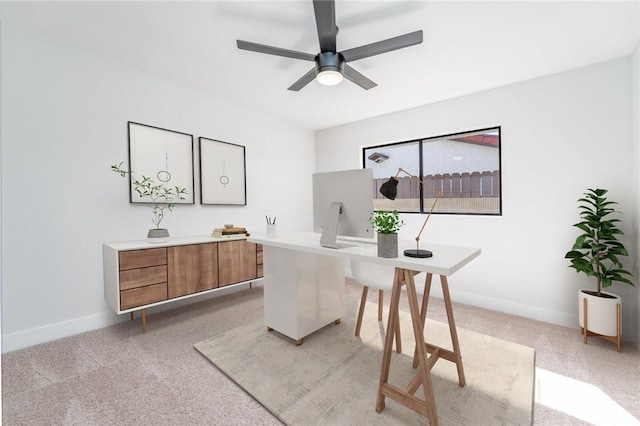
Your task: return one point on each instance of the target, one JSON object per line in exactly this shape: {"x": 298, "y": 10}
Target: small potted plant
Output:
{"x": 596, "y": 252}
{"x": 160, "y": 197}
{"x": 387, "y": 224}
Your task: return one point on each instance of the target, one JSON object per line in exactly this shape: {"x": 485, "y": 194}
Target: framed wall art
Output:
{"x": 164, "y": 156}
{"x": 222, "y": 173}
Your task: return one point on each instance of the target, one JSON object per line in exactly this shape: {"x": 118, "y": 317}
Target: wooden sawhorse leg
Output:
{"x": 455, "y": 355}
{"x": 426, "y": 407}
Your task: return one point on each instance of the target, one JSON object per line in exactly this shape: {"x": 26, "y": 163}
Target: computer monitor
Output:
{"x": 342, "y": 205}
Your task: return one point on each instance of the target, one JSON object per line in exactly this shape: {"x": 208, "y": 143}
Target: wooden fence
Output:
{"x": 475, "y": 192}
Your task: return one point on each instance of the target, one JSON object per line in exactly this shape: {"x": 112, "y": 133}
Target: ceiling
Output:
{"x": 468, "y": 47}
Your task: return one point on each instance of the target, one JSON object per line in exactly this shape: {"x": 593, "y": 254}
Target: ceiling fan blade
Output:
{"x": 304, "y": 80}
{"x": 383, "y": 46}
{"x": 357, "y": 78}
{"x": 270, "y": 50}
{"x": 325, "y": 11}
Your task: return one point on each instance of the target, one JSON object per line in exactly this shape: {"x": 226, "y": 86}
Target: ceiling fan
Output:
{"x": 330, "y": 65}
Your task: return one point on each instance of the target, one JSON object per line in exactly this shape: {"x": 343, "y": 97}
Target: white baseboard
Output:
{"x": 47, "y": 333}
{"x": 512, "y": 308}
{"x": 35, "y": 336}
{"x": 500, "y": 305}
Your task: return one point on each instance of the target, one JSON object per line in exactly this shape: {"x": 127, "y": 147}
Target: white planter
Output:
{"x": 602, "y": 313}
{"x": 158, "y": 235}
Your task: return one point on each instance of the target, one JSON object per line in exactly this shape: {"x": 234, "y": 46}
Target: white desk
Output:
{"x": 304, "y": 291}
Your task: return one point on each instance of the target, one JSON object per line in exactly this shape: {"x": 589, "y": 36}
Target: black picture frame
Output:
{"x": 163, "y": 155}
{"x": 223, "y": 179}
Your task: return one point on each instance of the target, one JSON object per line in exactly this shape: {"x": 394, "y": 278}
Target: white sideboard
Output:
{"x": 139, "y": 274}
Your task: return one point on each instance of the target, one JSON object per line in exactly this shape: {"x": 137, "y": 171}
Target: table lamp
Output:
{"x": 390, "y": 189}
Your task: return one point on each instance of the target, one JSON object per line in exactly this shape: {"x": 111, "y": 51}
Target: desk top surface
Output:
{"x": 445, "y": 261}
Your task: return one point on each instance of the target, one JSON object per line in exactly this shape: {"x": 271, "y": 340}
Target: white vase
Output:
{"x": 602, "y": 314}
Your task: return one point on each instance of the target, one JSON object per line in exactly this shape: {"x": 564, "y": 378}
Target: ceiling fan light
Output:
{"x": 329, "y": 78}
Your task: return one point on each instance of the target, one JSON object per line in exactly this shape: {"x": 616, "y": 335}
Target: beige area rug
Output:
{"x": 332, "y": 378}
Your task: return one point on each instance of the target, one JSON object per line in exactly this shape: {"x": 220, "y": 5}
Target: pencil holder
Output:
{"x": 271, "y": 230}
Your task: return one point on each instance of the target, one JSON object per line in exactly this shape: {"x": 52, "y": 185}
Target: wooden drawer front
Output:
{"x": 237, "y": 262}
{"x": 259, "y": 262}
{"x": 141, "y": 277}
{"x": 192, "y": 269}
{"x": 133, "y": 259}
{"x": 143, "y": 295}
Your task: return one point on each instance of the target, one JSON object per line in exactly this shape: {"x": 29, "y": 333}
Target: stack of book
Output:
{"x": 230, "y": 233}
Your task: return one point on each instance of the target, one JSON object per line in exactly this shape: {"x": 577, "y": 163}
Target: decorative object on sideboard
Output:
{"x": 390, "y": 189}
{"x": 387, "y": 224}
{"x": 596, "y": 253}
{"x": 159, "y": 196}
{"x": 230, "y": 232}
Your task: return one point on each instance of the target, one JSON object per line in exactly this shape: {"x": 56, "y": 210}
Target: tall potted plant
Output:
{"x": 387, "y": 224}
{"x": 160, "y": 197}
{"x": 596, "y": 252}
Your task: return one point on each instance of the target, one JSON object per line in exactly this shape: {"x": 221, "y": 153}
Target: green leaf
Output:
{"x": 386, "y": 222}
{"x": 596, "y": 251}
{"x": 156, "y": 193}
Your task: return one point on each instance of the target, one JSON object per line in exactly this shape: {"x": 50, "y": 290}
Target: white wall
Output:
{"x": 561, "y": 134}
{"x": 635, "y": 116}
{"x": 65, "y": 113}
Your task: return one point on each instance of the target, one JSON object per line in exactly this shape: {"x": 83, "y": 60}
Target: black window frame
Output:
{"x": 495, "y": 206}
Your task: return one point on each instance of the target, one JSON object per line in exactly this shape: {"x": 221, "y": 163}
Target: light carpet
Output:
{"x": 332, "y": 379}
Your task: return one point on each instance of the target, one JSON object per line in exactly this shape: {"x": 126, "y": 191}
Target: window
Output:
{"x": 461, "y": 171}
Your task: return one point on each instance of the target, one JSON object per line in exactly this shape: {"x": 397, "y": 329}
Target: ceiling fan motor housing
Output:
{"x": 329, "y": 61}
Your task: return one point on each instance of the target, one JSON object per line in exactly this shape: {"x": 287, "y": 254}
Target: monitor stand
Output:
{"x": 330, "y": 227}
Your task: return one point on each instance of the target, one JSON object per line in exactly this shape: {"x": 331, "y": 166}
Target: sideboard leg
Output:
{"x": 131, "y": 315}
{"x": 144, "y": 320}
